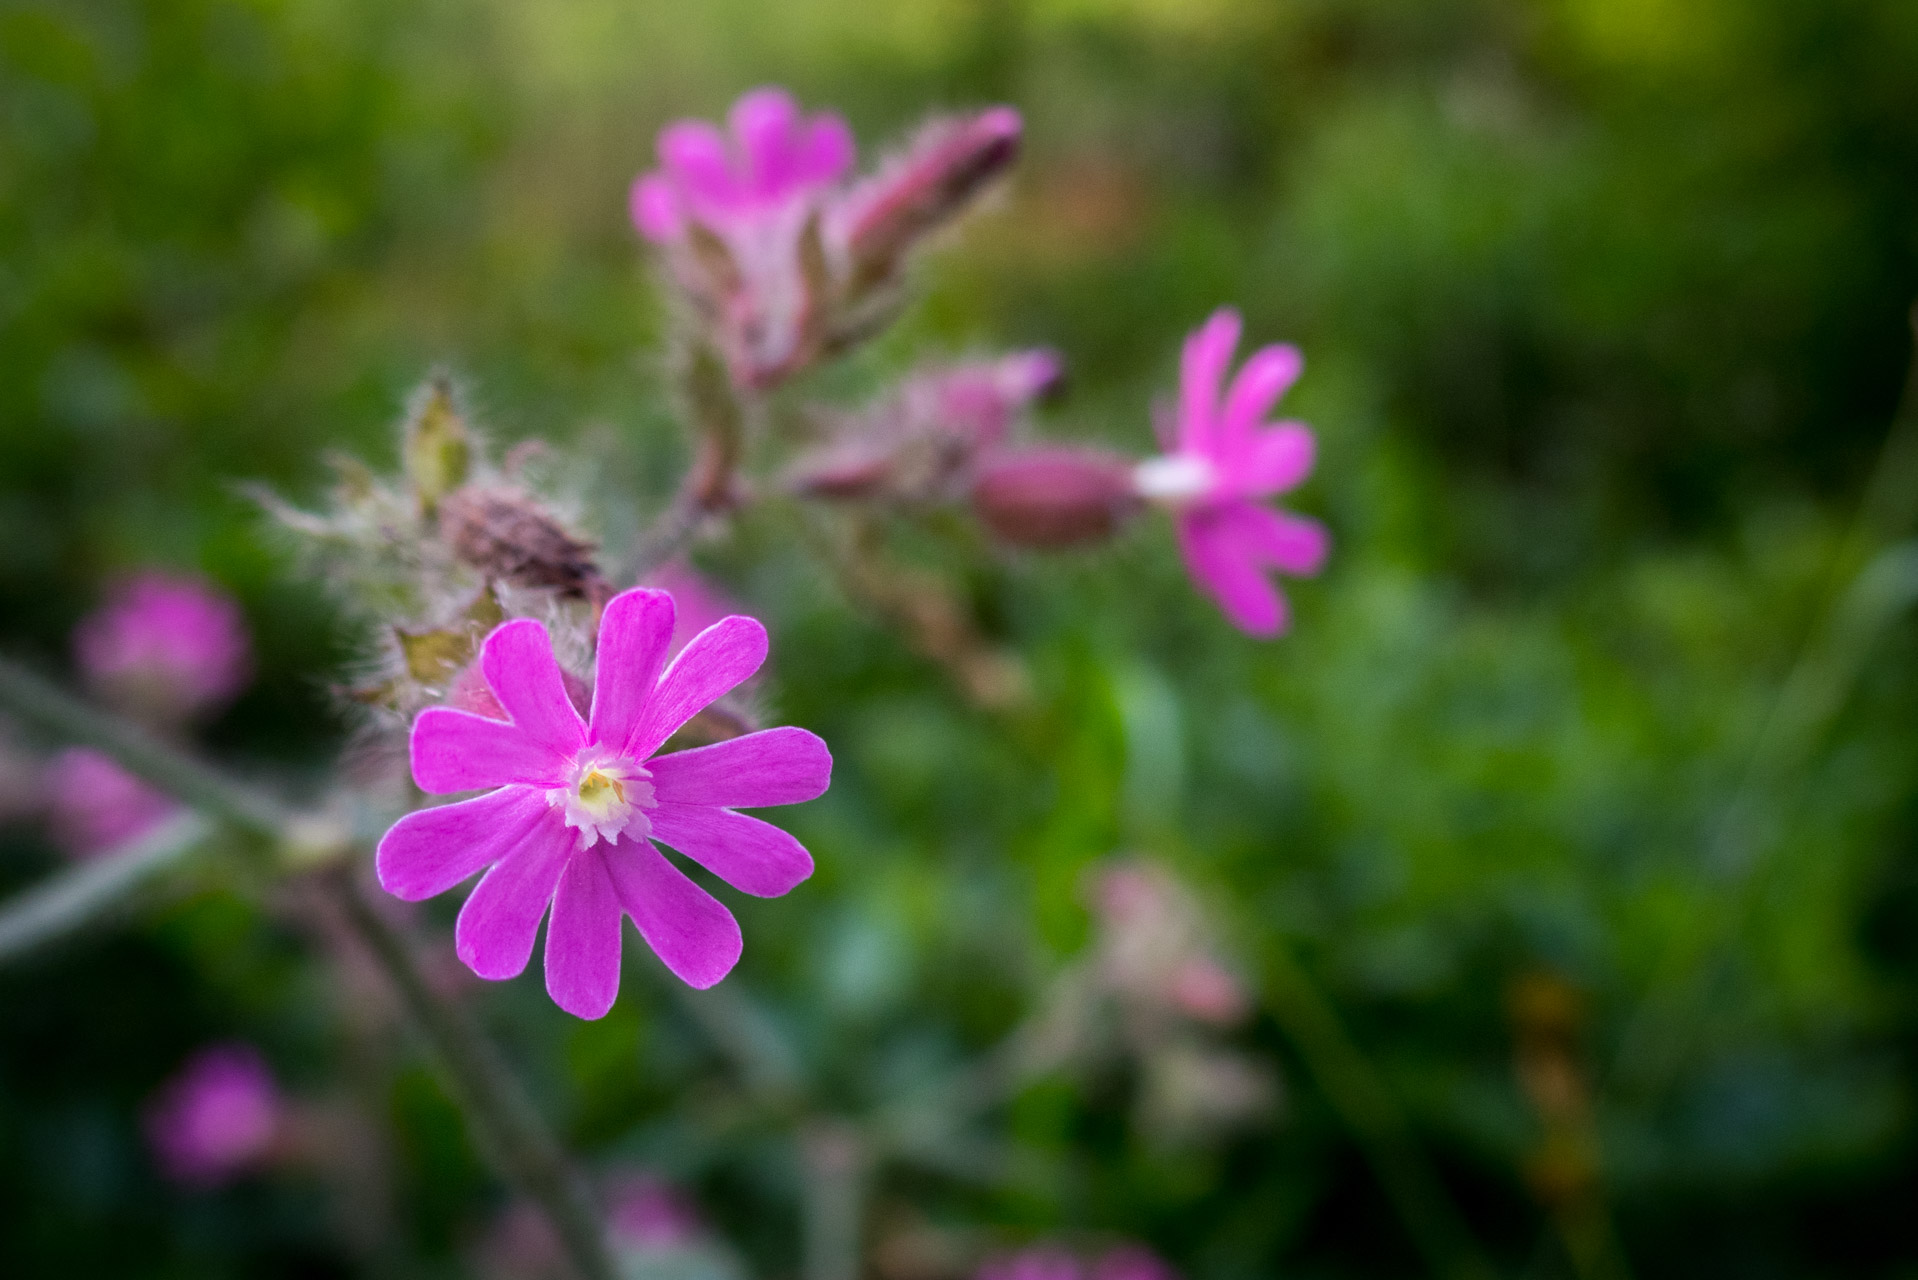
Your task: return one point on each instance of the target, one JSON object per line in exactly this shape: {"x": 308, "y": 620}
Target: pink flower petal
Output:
{"x": 752, "y": 856}
{"x": 827, "y": 151}
{"x": 1277, "y": 460}
{"x": 1227, "y": 572}
{"x": 695, "y": 154}
{"x": 582, "y": 938}
{"x": 654, "y": 205}
{"x": 635, "y": 633}
{"x": 1293, "y": 544}
{"x": 428, "y": 852}
{"x": 517, "y": 660}
{"x": 766, "y": 122}
{"x": 687, "y": 928}
{"x": 1207, "y": 353}
{"x": 716, "y": 662}
{"x": 459, "y": 751}
{"x": 786, "y": 765}
{"x": 496, "y": 927}
{"x": 1257, "y": 387}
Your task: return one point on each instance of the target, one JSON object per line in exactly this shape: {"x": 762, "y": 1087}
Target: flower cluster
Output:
{"x": 780, "y": 258}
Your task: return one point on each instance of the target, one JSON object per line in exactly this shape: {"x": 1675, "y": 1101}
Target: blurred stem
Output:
{"x": 506, "y": 1126}
{"x": 1363, "y": 1101}
{"x": 64, "y": 903}
{"x": 1863, "y": 593}
{"x": 833, "y": 1162}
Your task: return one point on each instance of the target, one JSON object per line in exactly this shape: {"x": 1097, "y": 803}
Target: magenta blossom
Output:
{"x": 577, "y": 802}
{"x": 774, "y": 166}
{"x": 96, "y": 806}
{"x": 755, "y": 192}
{"x": 1222, "y": 463}
{"x": 217, "y": 1118}
{"x": 169, "y": 646}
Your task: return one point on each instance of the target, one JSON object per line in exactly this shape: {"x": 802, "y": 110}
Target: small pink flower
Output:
{"x": 577, "y": 802}
{"x": 644, "y": 1212}
{"x": 755, "y": 191}
{"x": 96, "y": 806}
{"x": 1223, "y": 462}
{"x": 775, "y": 163}
{"x": 912, "y": 193}
{"x": 167, "y": 645}
{"x": 217, "y": 1118}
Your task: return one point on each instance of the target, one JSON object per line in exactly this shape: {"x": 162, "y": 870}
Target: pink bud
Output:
{"x": 939, "y": 173}
{"x": 1053, "y": 496}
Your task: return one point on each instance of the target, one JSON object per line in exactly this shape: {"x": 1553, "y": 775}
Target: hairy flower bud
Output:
{"x": 437, "y": 451}
{"x": 940, "y": 172}
{"x": 1053, "y": 496}
{"x": 507, "y": 535}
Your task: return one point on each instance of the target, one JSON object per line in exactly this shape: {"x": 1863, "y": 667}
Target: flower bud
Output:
{"x": 507, "y": 535}
{"x": 1053, "y": 496}
{"x": 218, "y": 1118}
{"x": 931, "y": 182}
{"x": 437, "y": 451}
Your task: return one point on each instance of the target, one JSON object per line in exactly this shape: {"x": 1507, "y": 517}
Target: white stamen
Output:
{"x": 1174, "y": 479}
{"x": 606, "y": 796}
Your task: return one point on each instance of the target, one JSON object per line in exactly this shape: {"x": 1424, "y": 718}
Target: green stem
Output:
{"x": 1360, "y": 1096}
{"x": 64, "y": 903}
{"x": 506, "y": 1126}
{"x": 833, "y": 1198}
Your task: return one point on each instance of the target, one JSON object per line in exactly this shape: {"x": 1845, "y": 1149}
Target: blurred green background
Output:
{"x": 1604, "y": 306}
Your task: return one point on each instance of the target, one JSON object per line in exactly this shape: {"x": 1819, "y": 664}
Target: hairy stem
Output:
{"x": 506, "y": 1126}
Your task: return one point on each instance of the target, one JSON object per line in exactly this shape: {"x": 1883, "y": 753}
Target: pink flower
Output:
{"x": 776, "y": 164}
{"x": 217, "y": 1118}
{"x": 644, "y": 1212}
{"x": 577, "y": 802}
{"x": 1133, "y": 1262}
{"x": 1222, "y": 463}
{"x": 1043, "y": 1262}
{"x": 96, "y": 806}
{"x": 168, "y": 646}
{"x": 755, "y": 192}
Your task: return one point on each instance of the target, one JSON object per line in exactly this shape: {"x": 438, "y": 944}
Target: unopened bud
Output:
{"x": 437, "y": 451}
{"x": 1055, "y": 496}
{"x": 507, "y": 535}
{"x": 950, "y": 162}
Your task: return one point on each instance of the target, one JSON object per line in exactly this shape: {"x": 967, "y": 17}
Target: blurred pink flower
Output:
{"x": 168, "y": 646}
{"x": 577, "y": 802}
{"x": 1222, "y": 463}
{"x": 96, "y": 806}
{"x": 1041, "y": 1262}
{"x": 754, "y": 192}
{"x": 1050, "y": 496}
{"x": 217, "y": 1118}
{"x": 645, "y": 1212}
{"x": 877, "y": 221}
{"x": 1155, "y": 950}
